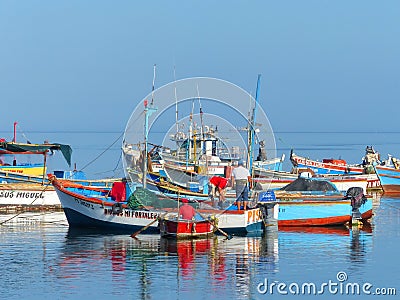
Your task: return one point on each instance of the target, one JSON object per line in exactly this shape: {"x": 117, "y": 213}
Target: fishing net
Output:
{"x": 143, "y": 198}
{"x": 304, "y": 184}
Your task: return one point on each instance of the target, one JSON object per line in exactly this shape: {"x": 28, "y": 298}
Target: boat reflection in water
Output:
{"x": 191, "y": 251}
{"x": 351, "y": 244}
{"x": 224, "y": 267}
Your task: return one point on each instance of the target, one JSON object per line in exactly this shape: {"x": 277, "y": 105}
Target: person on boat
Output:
{"x": 241, "y": 181}
{"x": 186, "y": 211}
{"x": 219, "y": 184}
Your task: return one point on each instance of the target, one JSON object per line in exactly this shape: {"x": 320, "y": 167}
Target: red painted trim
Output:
{"x": 26, "y": 152}
{"x": 317, "y": 229}
{"x": 60, "y": 186}
{"x": 391, "y": 188}
{"x": 387, "y": 168}
{"x": 341, "y": 220}
{"x": 319, "y": 164}
{"x": 367, "y": 215}
{"x": 316, "y": 222}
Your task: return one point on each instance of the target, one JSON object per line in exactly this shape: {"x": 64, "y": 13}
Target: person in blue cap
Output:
{"x": 241, "y": 181}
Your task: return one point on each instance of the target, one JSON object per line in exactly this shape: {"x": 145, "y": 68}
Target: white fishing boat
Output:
{"x": 92, "y": 207}
{"x": 26, "y": 189}
{"x": 22, "y": 187}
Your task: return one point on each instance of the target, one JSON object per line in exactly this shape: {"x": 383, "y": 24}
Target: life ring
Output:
{"x": 117, "y": 208}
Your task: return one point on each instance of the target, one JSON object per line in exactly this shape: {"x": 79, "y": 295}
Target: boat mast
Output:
{"x": 44, "y": 167}
{"x": 201, "y": 122}
{"x": 252, "y": 128}
{"x": 191, "y": 135}
{"x": 204, "y": 146}
{"x": 147, "y": 113}
{"x": 176, "y": 104}
{"x": 15, "y": 132}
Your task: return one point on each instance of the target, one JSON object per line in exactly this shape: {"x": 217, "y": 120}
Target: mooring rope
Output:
{"x": 21, "y": 212}
{"x": 31, "y": 217}
{"x": 392, "y": 206}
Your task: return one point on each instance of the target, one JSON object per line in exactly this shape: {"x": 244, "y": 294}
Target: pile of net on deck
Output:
{"x": 307, "y": 184}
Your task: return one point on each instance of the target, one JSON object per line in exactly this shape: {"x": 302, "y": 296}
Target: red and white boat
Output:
{"x": 334, "y": 167}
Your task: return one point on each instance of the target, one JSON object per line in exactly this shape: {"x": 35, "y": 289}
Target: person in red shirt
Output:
{"x": 219, "y": 184}
{"x": 186, "y": 211}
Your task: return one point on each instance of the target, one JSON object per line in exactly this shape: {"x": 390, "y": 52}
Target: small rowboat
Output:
{"x": 186, "y": 229}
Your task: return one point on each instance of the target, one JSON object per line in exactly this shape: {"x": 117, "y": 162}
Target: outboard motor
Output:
{"x": 356, "y": 194}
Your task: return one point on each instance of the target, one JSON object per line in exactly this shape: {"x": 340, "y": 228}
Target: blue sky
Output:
{"x": 70, "y": 70}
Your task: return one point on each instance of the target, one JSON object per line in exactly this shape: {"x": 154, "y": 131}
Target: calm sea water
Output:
{"x": 42, "y": 259}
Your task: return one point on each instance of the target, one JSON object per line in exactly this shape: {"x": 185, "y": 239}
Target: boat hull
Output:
{"x": 389, "y": 178}
{"x": 29, "y": 169}
{"x": 315, "y": 212}
{"x": 186, "y": 229}
{"x": 28, "y": 195}
{"x": 324, "y": 168}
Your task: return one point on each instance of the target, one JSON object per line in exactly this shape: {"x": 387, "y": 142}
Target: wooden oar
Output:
{"x": 227, "y": 235}
{"x": 133, "y": 235}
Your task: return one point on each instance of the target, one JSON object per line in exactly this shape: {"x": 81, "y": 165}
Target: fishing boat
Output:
{"x": 186, "y": 224}
{"x": 185, "y": 229}
{"x": 8, "y": 161}
{"x": 335, "y": 167}
{"x": 316, "y": 210}
{"x": 93, "y": 207}
{"x": 27, "y": 190}
{"x": 389, "y": 177}
{"x": 342, "y": 182}
{"x": 20, "y": 188}
{"x": 327, "y": 166}
{"x": 22, "y": 168}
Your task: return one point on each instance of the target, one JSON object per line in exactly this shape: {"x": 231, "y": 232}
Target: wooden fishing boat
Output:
{"x": 9, "y": 163}
{"x": 30, "y": 169}
{"x": 327, "y": 166}
{"x": 342, "y": 182}
{"x": 187, "y": 224}
{"x": 28, "y": 191}
{"x": 334, "y": 167}
{"x": 315, "y": 208}
{"x": 20, "y": 183}
{"x": 26, "y": 185}
{"x": 185, "y": 229}
{"x": 318, "y": 212}
{"x": 92, "y": 207}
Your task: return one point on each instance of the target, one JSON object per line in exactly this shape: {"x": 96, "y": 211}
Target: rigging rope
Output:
{"x": 392, "y": 206}
{"x": 23, "y": 134}
{"x": 108, "y": 148}
{"x": 98, "y": 156}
